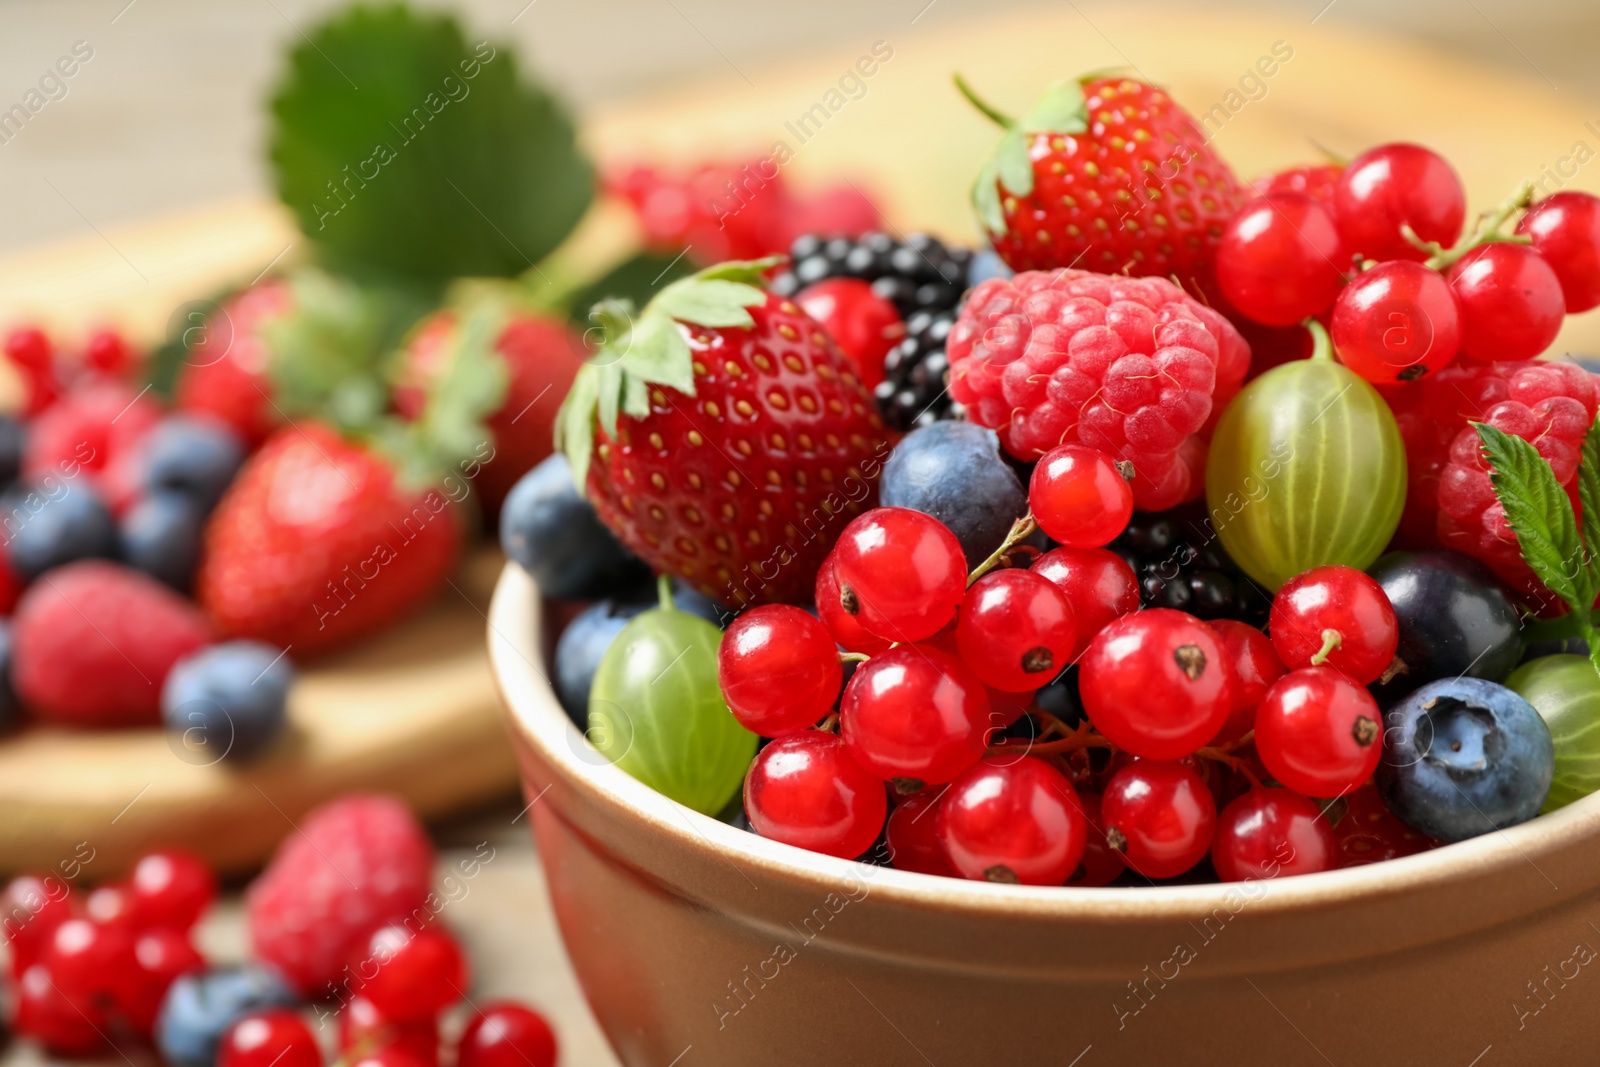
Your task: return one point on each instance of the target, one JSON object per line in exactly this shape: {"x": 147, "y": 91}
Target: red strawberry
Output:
{"x": 319, "y": 542}
{"x": 1106, "y": 174}
{"x": 527, "y": 363}
{"x": 731, "y": 438}
{"x": 225, "y": 369}
{"x": 92, "y": 642}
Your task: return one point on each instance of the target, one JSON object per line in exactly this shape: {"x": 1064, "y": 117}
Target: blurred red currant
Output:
{"x": 1015, "y": 630}
{"x": 1156, "y": 683}
{"x": 112, "y": 904}
{"x": 30, "y": 909}
{"x": 1510, "y": 300}
{"x": 845, "y": 627}
{"x": 914, "y": 715}
{"x": 1565, "y": 229}
{"x": 67, "y": 1026}
{"x": 1254, "y": 665}
{"x": 1159, "y": 817}
{"x": 1015, "y": 821}
{"x": 913, "y": 835}
{"x": 278, "y": 1038}
{"x": 1272, "y": 833}
{"x": 1080, "y": 497}
{"x": 806, "y": 791}
{"x": 1396, "y": 185}
{"x": 418, "y": 974}
{"x": 1396, "y": 323}
{"x": 505, "y": 1034}
{"x": 779, "y": 670}
{"x": 1101, "y": 864}
{"x": 1318, "y": 733}
{"x": 900, "y": 572}
{"x": 108, "y": 352}
{"x": 160, "y": 957}
{"x": 1099, "y": 584}
{"x": 172, "y": 888}
{"x": 862, "y": 323}
{"x": 363, "y": 1027}
{"x": 85, "y": 959}
{"x": 1338, "y": 616}
{"x": 1280, "y": 259}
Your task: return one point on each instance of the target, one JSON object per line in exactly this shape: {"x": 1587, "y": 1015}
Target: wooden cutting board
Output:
{"x": 415, "y": 710}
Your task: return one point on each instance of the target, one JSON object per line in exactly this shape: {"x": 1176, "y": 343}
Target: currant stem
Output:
{"x": 1331, "y": 639}
{"x": 1487, "y": 230}
{"x": 1019, "y": 529}
{"x": 827, "y": 725}
{"x": 853, "y": 657}
{"x": 999, "y": 118}
{"x": 1237, "y": 764}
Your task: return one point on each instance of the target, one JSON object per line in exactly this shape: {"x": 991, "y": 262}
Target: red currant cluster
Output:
{"x": 43, "y": 368}
{"x": 1375, "y": 248}
{"x": 92, "y": 966}
{"x": 1182, "y": 716}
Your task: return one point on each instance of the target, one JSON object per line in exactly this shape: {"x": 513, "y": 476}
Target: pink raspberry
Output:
{"x": 356, "y": 864}
{"x": 1131, "y": 366}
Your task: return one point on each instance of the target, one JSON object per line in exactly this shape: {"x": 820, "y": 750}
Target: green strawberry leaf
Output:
{"x": 657, "y": 353}
{"x": 403, "y": 150}
{"x": 610, "y": 386}
{"x": 326, "y": 355}
{"x": 1541, "y": 515}
{"x": 636, "y": 279}
{"x": 710, "y": 302}
{"x": 1062, "y": 109}
{"x": 575, "y": 424}
{"x": 986, "y": 199}
{"x": 1589, "y": 497}
{"x": 1012, "y": 163}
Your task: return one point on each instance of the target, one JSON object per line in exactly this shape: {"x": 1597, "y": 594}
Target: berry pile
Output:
{"x": 342, "y": 915}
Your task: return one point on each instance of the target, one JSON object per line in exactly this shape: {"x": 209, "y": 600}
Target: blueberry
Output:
{"x": 1455, "y": 620}
{"x": 55, "y": 523}
{"x": 556, "y": 536}
{"x": 578, "y": 653}
{"x": 160, "y": 535}
{"x": 199, "y": 1008}
{"x": 228, "y": 700}
{"x": 986, "y": 264}
{"x": 194, "y": 456}
{"x": 10, "y": 706}
{"x": 953, "y": 471}
{"x": 686, "y": 598}
{"x": 1462, "y": 757}
{"x": 13, "y": 438}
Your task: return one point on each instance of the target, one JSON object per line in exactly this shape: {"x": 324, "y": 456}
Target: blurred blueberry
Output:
{"x": 161, "y": 535}
{"x": 230, "y": 698}
{"x": 195, "y": 456}
{"x": 986, "y": 264}
{"x": 199, "y": 1008}
{"x": 49, "y": 526}
{"x": 10, "y": 706}
{"x": 578, "y": 653}
{"x": 1588, "y": 363}
{"x": 954, "y": 472}
{"x": 556, "y": 536}
{"x": 686, "y": 598}
{"x": 13, "y": 439}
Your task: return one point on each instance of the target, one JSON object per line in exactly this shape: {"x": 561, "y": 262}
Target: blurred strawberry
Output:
{"x": 225, "y": 370}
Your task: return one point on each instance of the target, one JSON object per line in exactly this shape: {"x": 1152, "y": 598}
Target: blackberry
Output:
{"x": 925, "y": 280}
{"x": 1181, "y": 564}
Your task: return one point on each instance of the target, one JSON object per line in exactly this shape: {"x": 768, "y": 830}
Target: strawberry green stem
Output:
{"x": 1487, "y": 231}
{"x": 999, "y": 118}
{"x": 1331, "y": 639}
{"x": 1019, "y": 529}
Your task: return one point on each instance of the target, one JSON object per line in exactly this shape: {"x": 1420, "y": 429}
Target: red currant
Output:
{"x": 107, "y": 352}
{"x": 363, "y": 1027}
{"x": 1565, "y": 229}
{"x": 1254, "y": 666}
{"x": 806, "y": 791}
{"x": 67, "y": 1026}
{"x": 900, "y": 572}
{"x": 1272, "y": 833}
{"x": 1159, "y": 816}
{"x": 779, "y": 670}
{"x": 1015, "y": 630}
{"x": 396, "y": 1055}
{"x": 112, "y": 904}
{"x": 1318, "y": 733}
{"x": 1338, "y": 616}
{"x": 30, "y": 909}
{"x": 913, "y": 835}
{"x": 1394, "y": 185}
{"x": 85, "y": 958}
{"x": 1370, "y": 832}
{"x": 172, "y": 888}
{"x": 1006, "y": 707}
{"x": 278, "y": 1038}
{"x": 30, "y": 351}
{"x": 1156, "y": 683}
{"x": 1396, "y": 323}
{"x": 1015, "y": 821}
{"x": 1080, "y": 496}
{"x": 1101, "y": 864}
{"x": 418, "y": 974}
{"x": 505, "y": 1034}
{"x": 160, "y": 957}
{"x": 862, "y": 323}
{"x": 915, "y": 713}
{"x": 1510, "y": 299}
{"x": 846, "y": 628}
{"x": 1099, "y": 584}
{"x": 1280, "y": 259}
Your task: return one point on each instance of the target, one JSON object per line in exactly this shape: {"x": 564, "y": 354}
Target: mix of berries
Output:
{"x": 343, "y": 921}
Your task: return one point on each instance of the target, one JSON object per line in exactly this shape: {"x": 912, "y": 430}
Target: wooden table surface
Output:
{"x": 914, "y": 144}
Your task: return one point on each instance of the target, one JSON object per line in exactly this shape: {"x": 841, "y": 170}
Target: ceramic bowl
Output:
{"x": 697, "y": 943}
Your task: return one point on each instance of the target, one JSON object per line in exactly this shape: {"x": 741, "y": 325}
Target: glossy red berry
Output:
{"x": 85, "y": 958}
{"x": 1280, "y": 259}
{"x": 779, "y": 670}
{"x": 30, "y": 909}
{"x": 1272, "y": 833}
{"x": 111, "y": 904}
{"x": 914, "y": 714}
{"x": 30, "y": 351}
{"x": 1394, "y": 185}
{"x": 1156, "y": 683}
{"x": 278, "y": 1038}
{"x": 1159, "y": 817}
{"x": 1099, "y": 584}
{"x": 505, "y": 1034}
{"x": 362, "y": 1027}
{"x": 1101, "y": 864}
{"x": 863, "y": 324}
{"x": 805, "y": 790}
{"x": 1396, "y": 323}
{"x": 108, "y": 352}
{"x": 418, "y": 975}
{"x": 67, "y": 1026}
{"x": 1016, "y": 630}
{"x": 1254, "y": 665}
{"x": 1080, "y": 496}
{"x": 160, "y": 957}
{"x": 845, "y": 627}
{"x": 1012, "y": 820}
{"x": 1338, "y": 616}
{"x": 395, "y": 1055}
{"x": 171, "y": 888}
{"x": 913, "y": 835}
{"x": 1565, "y": 229}
{"x": 900, "y": 572}
{"x": 1511, "y": 302}
{"x": 1318, "y": 733}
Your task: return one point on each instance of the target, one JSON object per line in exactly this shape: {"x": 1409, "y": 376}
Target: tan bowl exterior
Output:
{"x": 699, "y": 944}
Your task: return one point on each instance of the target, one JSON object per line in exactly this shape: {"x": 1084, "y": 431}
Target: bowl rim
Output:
{"x": 515, "y": 622}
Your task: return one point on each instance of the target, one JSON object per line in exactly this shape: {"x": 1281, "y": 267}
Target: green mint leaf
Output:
{"x": 710, "y": 302}
{"x": 1062, "y": 109}
{"x": 404, "y": 148}
{"x": 1540, "y": 514}
{"x": 1589, "y": 497}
